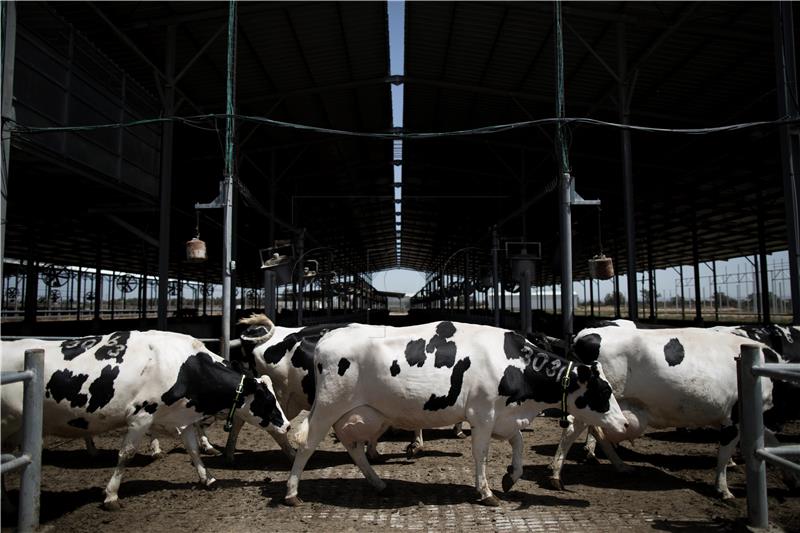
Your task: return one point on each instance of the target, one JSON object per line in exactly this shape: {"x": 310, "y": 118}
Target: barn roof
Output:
{"x": 467, "y": 65}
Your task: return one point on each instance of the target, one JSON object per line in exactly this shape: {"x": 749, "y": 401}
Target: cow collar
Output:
{"x": 563, "y": 422}
{"x": 229, "y": 420}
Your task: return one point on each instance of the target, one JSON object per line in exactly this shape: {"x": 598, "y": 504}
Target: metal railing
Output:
{"x": 30, "y": 460}
{"x": 751, "y": 368}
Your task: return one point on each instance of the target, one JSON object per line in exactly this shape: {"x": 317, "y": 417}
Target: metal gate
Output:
{"x": 751, "y": 368}
{"x": 30, "y": 460}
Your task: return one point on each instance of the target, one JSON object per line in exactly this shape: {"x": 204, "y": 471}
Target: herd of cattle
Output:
{"x": 360, "y": 380}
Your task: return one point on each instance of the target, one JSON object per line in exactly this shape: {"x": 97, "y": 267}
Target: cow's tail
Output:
{"x": 299, "y": 432}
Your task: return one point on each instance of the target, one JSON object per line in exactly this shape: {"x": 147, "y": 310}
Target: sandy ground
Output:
{"x": 671, "y": 488}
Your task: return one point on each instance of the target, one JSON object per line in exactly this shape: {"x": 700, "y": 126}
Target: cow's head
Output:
{"x": 261, "y": 408}
{"x": 590, "y": 399}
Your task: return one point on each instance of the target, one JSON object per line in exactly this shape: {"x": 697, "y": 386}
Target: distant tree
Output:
{"x": 608, "y": 299}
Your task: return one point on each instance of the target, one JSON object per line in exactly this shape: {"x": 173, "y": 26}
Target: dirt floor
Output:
{"x": 670, "y": 490}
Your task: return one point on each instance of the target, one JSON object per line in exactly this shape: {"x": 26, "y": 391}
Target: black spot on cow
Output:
{"x": 513, "y": 345}
{"x": 445, "y": 350}
{"x": 115, "y": 348}
{"x": 587, "y": 348}
{"x": 344, "y": 364}
{"x": 727, "y": 434}
{"x": 395, "y": 368}
{"x": 102, "y": 389}
{"x": 80, "y": 423}
{"x": 770, "y": 356}
{"x": 246, "y": 360}
{"x": 149, "y": 407}
{"x": 208, "y": 385}
{"x": 74, "y": 347}
{"x": 303, "y": 356}
{"x": 530, "y": 384}
{"x": 674, "y": 352}
{"x": 264, "y": 406}
{"x": 319, "y": 368}
{"x": 436, "y": 403}
{"x": 598, "y": 392}
{"x": 63, "y": 385}
{"x": 415, "y": 353}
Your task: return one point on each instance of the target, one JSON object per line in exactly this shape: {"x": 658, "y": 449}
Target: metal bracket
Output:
{"x": 577, "y": 199}
{"x": 218, "y": 202}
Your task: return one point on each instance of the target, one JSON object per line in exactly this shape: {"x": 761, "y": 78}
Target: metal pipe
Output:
{"x": 525, "y": 302}
{"x": 566, "y": 185}
{"x": 787, "y": 371}
{"x": 698, "y": 298}
{"x": 783, "y": 31}
{"x": 752, "y": 434}
{"x": 12, "y": 377}
{"x": 496, "y": 277}
{"x": 789, "y": 450}
{"x": 228, "y": 264}
{"x": 762, "y": 259}
{"x": 167, "y": 135}
{"x": 15, "y": 464}
{"x": 776, "y": 459}
{"x": 627, "y": 172}
{"x": 31, "y": 478}
{"x": 9, "y": 20}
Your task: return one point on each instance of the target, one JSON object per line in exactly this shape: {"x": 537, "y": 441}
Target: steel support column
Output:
{"x": 762, "y": 259}
{"x": 228, "y": 264}
{"x": 167, "y": 132}
{"x": 9, "y": 21}
{"x": 627, "y": 172}
{"x": 496, "y": 277}
{"x": 783, "y": 30}
{"x": 698, "y": 298}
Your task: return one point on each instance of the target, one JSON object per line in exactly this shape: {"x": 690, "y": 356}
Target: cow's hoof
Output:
{"x": 158, "y": 456}
{"x": 210, "y": 484}
{"x": 412, "y": 450}
{"x": 491, "y": 501}
{"x": 556, "y": 483}
{"x": 211, "y": 451}
{"x": 726, "y": 495}
{"x": 508, "y": 482}
{"x": 112, "y": 505}
{"x": 378, "y": 458}
{"x": 461, "y": 435}
{"x": 294, "y": 501}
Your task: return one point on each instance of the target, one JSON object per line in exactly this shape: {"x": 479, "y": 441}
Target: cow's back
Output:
{"x": 417, "y": 376}
{"x": 94, "y": 383}
{"x": 683, "y": 377}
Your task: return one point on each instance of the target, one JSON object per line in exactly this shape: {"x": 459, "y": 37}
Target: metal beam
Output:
{"x": 167, "y": 134}
{"x": 9, "y": 44}
{"x": 133, "y": 229}
{"x": 783, "y": 30}
{"x": 199, "y": 53}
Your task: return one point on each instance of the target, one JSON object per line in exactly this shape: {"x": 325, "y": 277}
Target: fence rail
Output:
{"x": 30, "y": 460}
{"x": 751, "y": 368}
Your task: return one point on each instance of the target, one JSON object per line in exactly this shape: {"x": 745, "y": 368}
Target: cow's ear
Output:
{"x": 584, "y": 373}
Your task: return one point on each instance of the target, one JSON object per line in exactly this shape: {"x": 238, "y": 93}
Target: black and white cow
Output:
{"x": 666, "y": 378}
{"x": 140, "y": 380}
{"x": 369, "y": 377}
{"x": 286, "y": 355}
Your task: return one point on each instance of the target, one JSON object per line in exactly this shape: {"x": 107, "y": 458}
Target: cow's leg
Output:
{"x": 790, "y": 477}
{"x": 589, "y": 447}
{"x": 568, "y": 436}
{"x": 481, "y": 439}
{"x": 205, "y": 445}
{"x": 155, "y": 449}
{"x": 413, "y": 449}
{"x": 283, "y": 442}
{"x": 610, "y": 452}
{"x": 136, "y": 430}
{"x": 91, "y": 449}
{"x": 190, "y": 440}
{"x": 458, "y": 431}
{"x": 729, "y": 438}
{"x": 356, "y": 451}
{"x": 317, "y": 427}
{"x": 514, "y": 471}
{"x": 233, "y": 436}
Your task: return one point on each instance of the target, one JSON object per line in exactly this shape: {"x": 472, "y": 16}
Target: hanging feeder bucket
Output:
{"x": 601, "y": 267}
{"x": 281, "y": 265}
{"x": 196, "y": 251}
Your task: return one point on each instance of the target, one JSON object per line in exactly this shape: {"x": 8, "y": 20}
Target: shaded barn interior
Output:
{"x": 95, "y": 197}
